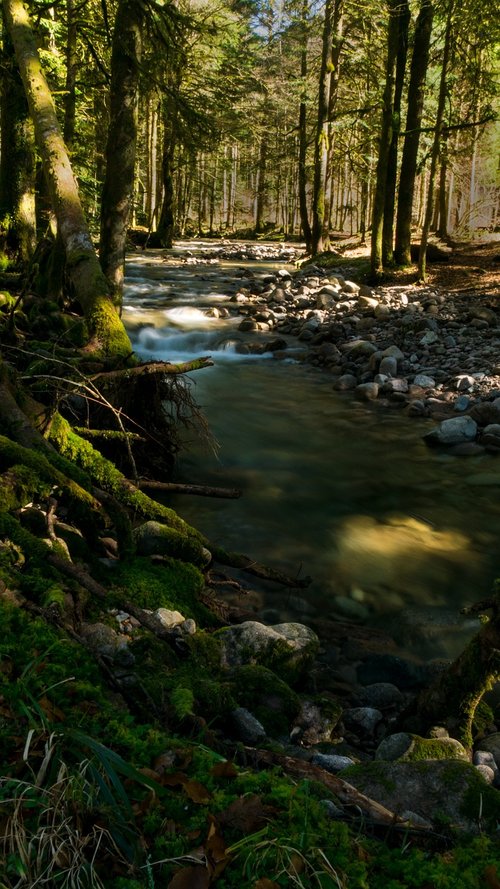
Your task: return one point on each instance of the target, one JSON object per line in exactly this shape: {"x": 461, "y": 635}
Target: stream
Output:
{"x": 393, "y": 534}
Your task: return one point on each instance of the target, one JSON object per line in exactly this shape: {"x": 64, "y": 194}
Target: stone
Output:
{"x": 348, "y": 607}
{"x": 464, "y": 382}
{"x": 106, "y": 642}
{"x": 332, "y": 762}
{"x": 368, "y": 302}
{"x": 381, "y": 311}
{"x": 424, "y": 381}
{"x": 487, "y": 773}
{"x": 287, "y": 648}
{"x": 169, "y": 619}
{"x": 350, "y": 287}
{"x": 429, "y": 338}
{"x": 381, "y": 695}
{"x": 248, "y": 727}
{"x": 461, "y": 403}
{"x": 404, "y": 746}
{"x": 188, "y": 627}
{"x": 393, "y": 352}
{"x": 453, "y": 791}
{"x": 248, "y": 325}
{"x": 367, "y": 391}
{"x": 389, "y": 366}
{"x": 358, "y": 347}
{"x": 485, "y": 758}
{"x": 331, "y": 809}
{"x": 456, "y": 430}
{"x": 490, "y": 744}
{"x": 345, "y": 382}
{"x": 362, "y": 719}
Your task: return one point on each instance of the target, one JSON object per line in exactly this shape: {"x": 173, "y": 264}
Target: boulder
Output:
{"x": 287, "y": 648}
{"x": 456, "y": 430}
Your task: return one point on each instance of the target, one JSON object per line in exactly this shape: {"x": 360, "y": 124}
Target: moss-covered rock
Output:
{"x": 288, "y": 649}
{"x": 267, "y": 696}
{"x": 407, "y": 747}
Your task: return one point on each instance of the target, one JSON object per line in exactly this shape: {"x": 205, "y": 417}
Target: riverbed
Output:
{"x": 392, "y": 533}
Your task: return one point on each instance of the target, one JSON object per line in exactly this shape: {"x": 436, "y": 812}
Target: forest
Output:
{"x": 323, "y": 177}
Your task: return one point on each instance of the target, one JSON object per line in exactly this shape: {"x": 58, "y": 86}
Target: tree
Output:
{"x": 88, "y": 283}
{"x": 121, "y": 144}
{"x": 419, "y": 64}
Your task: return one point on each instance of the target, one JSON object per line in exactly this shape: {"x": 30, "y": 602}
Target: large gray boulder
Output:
{"x": 456, "y": 430}
{"x": 287, "y": 648}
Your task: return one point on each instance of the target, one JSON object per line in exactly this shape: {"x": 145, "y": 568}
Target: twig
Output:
{"x": 177, "y": 488}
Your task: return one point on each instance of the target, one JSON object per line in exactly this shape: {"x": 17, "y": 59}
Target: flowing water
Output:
{"x": 392, "y": 533}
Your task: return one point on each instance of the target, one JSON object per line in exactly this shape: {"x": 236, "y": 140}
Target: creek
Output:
{"x": 393, "y": 534}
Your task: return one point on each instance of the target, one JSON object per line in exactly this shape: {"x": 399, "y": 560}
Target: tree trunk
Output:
{"x": 121, "y": 145}
{"x": 321, "y": 142}
{"x": 71, "y": 72}
{"x": 419, "y": 63}
{"x": 17, "y": 165}
{"x": 403, "y": 13}
{"x": 302, "y": 176}
{"x": 260, "y": 202}
{"x": 83, "y": 271}
{"x": 385, "y": 141}
{"x": 437, "y": 142}
{"x": 165, "y": 230}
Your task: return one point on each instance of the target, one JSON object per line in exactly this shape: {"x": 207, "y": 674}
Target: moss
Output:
{"x": 267, "y": 696}
{"x": 106, "y": 330}
{"x": 372, "y": 771}
{"x": 423, "y": 749}
{"x": 19, "y": 485}
{"x": 106, "y": 475}
{"x": 172, "y": 584}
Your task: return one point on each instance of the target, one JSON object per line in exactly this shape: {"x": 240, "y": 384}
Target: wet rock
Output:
{"x": 456, "y": 430}
{"x": 403, "y": 746}
{"x": 367, "y": 391}
{"x": 248, "y": 325}
{"x": 345, "y": 383}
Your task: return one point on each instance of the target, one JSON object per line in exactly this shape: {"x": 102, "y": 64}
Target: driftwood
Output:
{"x": 199, "y": 490}
{"x": 345, "y": 792}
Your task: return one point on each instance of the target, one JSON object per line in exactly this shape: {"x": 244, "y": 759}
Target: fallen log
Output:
{"x": 345, "y": 792}
{"x": 177, "y": 488}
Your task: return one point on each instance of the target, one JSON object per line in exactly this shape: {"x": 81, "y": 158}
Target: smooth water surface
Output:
{"x": 344, "y": 492}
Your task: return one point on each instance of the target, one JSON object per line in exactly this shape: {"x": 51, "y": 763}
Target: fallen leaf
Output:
{"x": 215, "y": 850}
{"x": 164, "y": 761}
{"x": 248, "y": 814}
{"x": 197, "y": 793}
{"x": 190, "y": 878}
{"x": 50, "y": 709}
{"x": 296, "y": 865}
{"x": 226, "y": 769}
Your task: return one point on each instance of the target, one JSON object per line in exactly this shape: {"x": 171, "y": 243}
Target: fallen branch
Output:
{"x": 244, "y": 563}
{"x": 155, "y": 367}
{"x": 345, "y": 792}
{"x": 107, "y": 434}
{"x": 198, "y": 490}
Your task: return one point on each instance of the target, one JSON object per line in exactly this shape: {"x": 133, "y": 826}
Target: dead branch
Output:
{"x": 198, "y": 490}
{"x": 345, "y": 792}
{"x": 154, "y": 367}
{"x": 244, "y": 563}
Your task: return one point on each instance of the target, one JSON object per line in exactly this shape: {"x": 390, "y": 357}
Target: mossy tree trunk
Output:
{"x": 322, "y": 130}
{"x": 87, "y": 281}
{"x": 165, "y": 229}
{"x": 17, "y": 162}
{"x": 302, "y": 175}
{"x": 121, "y": 145}
{"x": 418, "y": 72}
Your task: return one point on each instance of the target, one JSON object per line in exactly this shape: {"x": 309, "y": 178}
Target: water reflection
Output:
{"x": 344, "y": 492}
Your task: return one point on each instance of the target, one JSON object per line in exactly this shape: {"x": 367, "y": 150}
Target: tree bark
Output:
{"x": 385, "y": 141}
{"x": 89, "y": 285}
{"x": 121, "y": 145}
{"x": 17, "y": 165}
{"x": 403, "y": 14}
{"x": 71, "y": 72}
{"x": 418, "y": 71}
{"x": 437, "y": 141}
{"x": 321, "y": 142}
{"x": 302, "y": 175}
{"x": 260, "y": 202}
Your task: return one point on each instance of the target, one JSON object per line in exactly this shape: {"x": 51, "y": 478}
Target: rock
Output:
{"x": 331, "y": 809}
{"x": 456, "y": 430}
{"x": 350, "y": 287}
{"x": 487, "y": 773}
{"x": 429, "y": 338}
{"x": 316, "y": 722}
{"x": 485, "y": 413}
{"x": 362, "y": 719}
{"x": 368, "y": 302}
{"x": 389, "y": 366}
{"x": 485, "y": 758}
{"x": 453, "y": 791}
{"x": 367, "y": 391}
{"x": 345, "y": 382}
{"x": 332, "y": 762}
{"x": 484, "y": 314}
{"x": 381, "y": 695}
{"x": 424, "y": 381}
{"x": 393, "y": 352}
{"x": 287, "y": 648}
{"x": 248, "y": 324}
{"x": 349, "y": 608}
{"x": 381, "y": 311}
{"x": 248, "y": 727}
{"x": 188, "y": 627}
{"x": 461, "y": 403}
{"x": 412, "y": 748}
{"x": 464, "y": 382}
{"x": 106, "y": 642}
{"x": 156, "y": 539}
{"x": 357, "y": 348}
{"x": 169, "y": 619}
{"x": 490, "y": 744}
